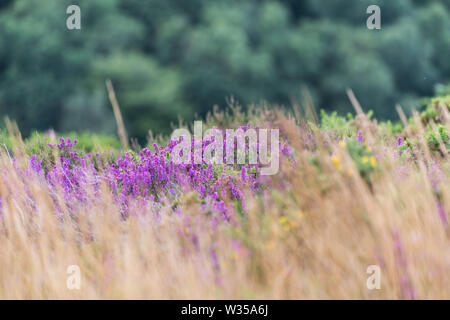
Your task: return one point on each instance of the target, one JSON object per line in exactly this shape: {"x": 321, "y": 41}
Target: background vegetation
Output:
{"x": 171, "y": 59}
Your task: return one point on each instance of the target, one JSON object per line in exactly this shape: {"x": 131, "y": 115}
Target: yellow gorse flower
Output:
{"x": 337, "y": 162}
{"x": 283, "y": 220}
{"x": 342, "y": 144}
{"x": 287, "y": 224}
{"x": 365, "y": 159}
{"x": 373, "y": 162}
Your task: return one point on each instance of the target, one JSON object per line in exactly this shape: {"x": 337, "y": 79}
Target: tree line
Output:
{"x": 172, "y": 59}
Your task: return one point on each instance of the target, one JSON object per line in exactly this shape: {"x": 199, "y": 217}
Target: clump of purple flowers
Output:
{"x": 149, "y": 175}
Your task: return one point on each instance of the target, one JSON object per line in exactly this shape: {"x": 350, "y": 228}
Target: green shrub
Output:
{"x": 434, "y": 137}
{"x": 337, "y": 124}
{"x": 433, "y": 110}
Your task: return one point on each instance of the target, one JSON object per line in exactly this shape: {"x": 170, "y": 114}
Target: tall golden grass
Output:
{"x": 312, "y": 234}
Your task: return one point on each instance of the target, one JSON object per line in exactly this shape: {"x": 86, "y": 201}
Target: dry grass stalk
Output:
{"x": 118, "y": 115}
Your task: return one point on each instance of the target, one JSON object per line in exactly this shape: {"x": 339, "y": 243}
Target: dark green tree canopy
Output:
{"x": 170, "y": 59}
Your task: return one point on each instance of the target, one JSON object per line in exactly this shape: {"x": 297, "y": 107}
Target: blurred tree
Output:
{"x": 4, "y": 3}
{"x": 150, "y": 95}
{"x": 408, "y": 55}
{"x": 434, "y": 23}
{"x": 169, "y": 59}
{"x": 44, "y": 64}
{"x": 354, "y": 11}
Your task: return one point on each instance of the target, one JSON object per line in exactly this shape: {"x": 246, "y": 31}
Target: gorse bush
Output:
{"x": 438, "y": 136}
{"x": 437, "y": 109}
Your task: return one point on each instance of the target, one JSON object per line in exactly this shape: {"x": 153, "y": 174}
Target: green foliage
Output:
{"x": 433, "y": 111}
{"x": 429, "y": 113}
{"x": 91, "y": 143}
{"x": 392, "y": 128}
{"x": 169, "y": 59}
{"x": 38, "y": 143}
{"x": 363, "y": 157}
{"x": 45, "y": 67}
{"x": 338, "y": 124}
{"x": 406, "y": 145}
{"x": 150, "y": 94}
{"x": 5, "y": 140}
{"x": 436, "y": 137}
{"x": 355, "y": 12}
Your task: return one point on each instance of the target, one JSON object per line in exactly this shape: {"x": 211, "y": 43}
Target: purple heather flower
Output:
{"x": 360, "y": 137}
